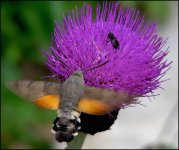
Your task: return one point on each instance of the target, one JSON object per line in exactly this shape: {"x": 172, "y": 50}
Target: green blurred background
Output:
{"x": 26, "y": 28}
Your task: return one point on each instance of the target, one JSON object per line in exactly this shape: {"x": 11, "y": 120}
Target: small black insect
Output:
{"x": 111, "y": 38}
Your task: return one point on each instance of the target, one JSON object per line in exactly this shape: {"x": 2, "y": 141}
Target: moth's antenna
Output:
{"x": 60, "y": 60}
{"x": 98, "y": 66}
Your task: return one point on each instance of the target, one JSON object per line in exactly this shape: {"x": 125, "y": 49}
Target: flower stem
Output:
{"x": 77, "y": 142}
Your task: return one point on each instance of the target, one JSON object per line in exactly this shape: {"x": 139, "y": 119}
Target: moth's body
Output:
{"x": 72, "y": 91}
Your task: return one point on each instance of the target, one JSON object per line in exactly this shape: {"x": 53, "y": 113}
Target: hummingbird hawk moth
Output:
{"x": 79, "y": 108}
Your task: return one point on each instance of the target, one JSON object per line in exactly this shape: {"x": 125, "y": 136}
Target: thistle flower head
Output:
{"x": 81, "y": 42}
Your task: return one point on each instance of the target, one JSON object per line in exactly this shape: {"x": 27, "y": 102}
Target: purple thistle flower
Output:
{"x": 80, "y": 42}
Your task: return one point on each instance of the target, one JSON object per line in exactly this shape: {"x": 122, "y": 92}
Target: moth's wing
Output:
{"x": 42, "y": 93}
{"x": 98, "y": 101}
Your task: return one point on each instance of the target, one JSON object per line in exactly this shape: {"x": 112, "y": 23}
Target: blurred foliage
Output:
{"x": 153, "y": 10}
{"x": 26, "y": 28}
